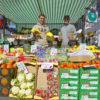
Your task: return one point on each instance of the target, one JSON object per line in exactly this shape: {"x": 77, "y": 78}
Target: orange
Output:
{"x": 9, "y": 65}
{"x": 4, "y": 71}
{"x": 11, "y": 61}
{"x": 4, "y": 81}
{"x": 3, "y": 65}
{"x": 14, "y": 65}
{"x": 4, "y": 91}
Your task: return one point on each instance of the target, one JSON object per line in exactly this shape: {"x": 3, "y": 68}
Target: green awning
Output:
{"x": 27, "y": 11}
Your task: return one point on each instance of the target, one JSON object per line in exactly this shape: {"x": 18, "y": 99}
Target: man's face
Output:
{"x": 41, "y": 20}
{"x": 66, "y": 21}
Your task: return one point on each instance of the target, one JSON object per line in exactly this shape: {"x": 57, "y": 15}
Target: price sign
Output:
{"x": 6, "y": 48}
{"x": 33, "y": 48}
{"x": 21, "y": 66}
{"x": 46, "y": 65}
{"x": 53, "y": 51}
{"x": 82, "y": 46}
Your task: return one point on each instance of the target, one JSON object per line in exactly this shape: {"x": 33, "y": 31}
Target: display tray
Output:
{"x": 27, "y": 97}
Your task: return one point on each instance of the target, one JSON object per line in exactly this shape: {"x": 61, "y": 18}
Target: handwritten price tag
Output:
{"x": 82, "y": 46}
{"x": 22, "y": 66}
{"x": 33, "y": 48}
{"x": 46, "y": 65}
{"x": 53, "y": 51}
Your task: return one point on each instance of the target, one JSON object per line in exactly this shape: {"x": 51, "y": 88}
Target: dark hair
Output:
{"x": 41, "y": 15}
{"x": 66, "y": 17}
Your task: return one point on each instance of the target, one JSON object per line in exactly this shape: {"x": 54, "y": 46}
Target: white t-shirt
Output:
{"x": 65, "y": 30}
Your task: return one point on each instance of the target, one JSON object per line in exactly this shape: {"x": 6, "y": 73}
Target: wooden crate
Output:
{"x": 32, "y": 67}
{"x": 42, "y": 82}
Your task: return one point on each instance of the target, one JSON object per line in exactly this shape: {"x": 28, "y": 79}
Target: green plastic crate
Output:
{"x": 67, "y": 86}
{"x": 68, "y": 96}
{"x": 68, "y": 74}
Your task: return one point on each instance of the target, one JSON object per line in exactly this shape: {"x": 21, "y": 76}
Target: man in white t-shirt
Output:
{"x": 65, "y": 30}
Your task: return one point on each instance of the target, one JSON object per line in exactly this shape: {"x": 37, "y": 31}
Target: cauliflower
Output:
{"x": 23, "y": 86}
{"x": 21, "y": 93}
{"x": 28, "y": 92}
{"x": 15, "y": 90}
{"x": 29, "y": 76}
{"x": 21, "y": 77}
{"x": 30, "y": 84}
{"x": 14, "y": 82}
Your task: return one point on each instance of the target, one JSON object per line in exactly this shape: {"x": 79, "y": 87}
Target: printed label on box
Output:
{"x": 64, "y": 75}
{"x": 73, "y": 92}
{"x": 94, "y": 82}
{"x": 74, "y": 71}
{"x": 93, "y": 93}
{"x": 64, "y": 96}
{"x": 73, "y": 82}
{"x": 64, "y": 86}
{"x": 94, "y": 72}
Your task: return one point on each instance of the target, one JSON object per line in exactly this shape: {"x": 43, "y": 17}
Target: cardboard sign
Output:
{"x": 22, "y": 66}
{"x": 6, "y": 48}
{"x": 46, "y": 65}
{"x": 33, "y": 48}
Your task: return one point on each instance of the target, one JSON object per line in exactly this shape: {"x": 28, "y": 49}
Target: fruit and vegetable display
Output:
{"x": 45, "y": 84}
{"x": 23, "y": 85}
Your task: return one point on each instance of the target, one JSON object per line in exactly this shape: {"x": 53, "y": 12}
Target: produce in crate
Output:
{"x": 47, "y": 86}
{"x": 23, "y": 85}
{"x": 52, "y": 83}
{"x": 8, "y": 63}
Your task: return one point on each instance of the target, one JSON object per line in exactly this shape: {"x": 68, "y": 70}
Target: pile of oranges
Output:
{"x": 80, "y": 64}
{"x": 8, "y": 64}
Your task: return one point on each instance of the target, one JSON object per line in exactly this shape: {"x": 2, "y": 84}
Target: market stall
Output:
{"x": 35, "y": 69}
